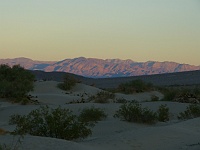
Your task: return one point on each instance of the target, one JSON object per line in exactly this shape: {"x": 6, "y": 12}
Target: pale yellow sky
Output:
{"x": 141, "y": 30}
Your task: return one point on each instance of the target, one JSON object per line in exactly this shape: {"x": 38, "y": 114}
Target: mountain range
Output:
{"x": 99, "y": 68}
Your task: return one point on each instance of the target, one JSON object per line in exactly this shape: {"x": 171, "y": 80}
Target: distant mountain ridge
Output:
{"x": 99, "y": 68}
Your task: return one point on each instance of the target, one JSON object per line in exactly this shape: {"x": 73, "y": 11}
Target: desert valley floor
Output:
{"x": 110, "y": 133}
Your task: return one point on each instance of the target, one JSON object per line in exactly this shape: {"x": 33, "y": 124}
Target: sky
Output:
{"x": 141, "y": 30}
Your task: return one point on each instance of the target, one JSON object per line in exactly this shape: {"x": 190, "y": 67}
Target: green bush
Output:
{"x": 133, "y": 112}
{"x": 102, "y": 97}
{"x": 192, "y": 111}
{"x": 169, "y": 94}
{"x": 68, "y": 83}
{"x": 57, "y": 123}
{"x": 134, "y": 86}
{"x": 15, "y": 82}
{"x": 92, "y": 115}
{"x": 163, "y": 113}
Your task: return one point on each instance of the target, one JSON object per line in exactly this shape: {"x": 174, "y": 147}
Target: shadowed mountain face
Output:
{"x": 98, "y": 68}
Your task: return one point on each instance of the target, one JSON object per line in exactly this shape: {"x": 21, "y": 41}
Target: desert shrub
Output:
{"x": 163, "y": 113}
{"x": 169, "y": 94}
{"x": 196, "y": 91}
{"x": 92, "y": 115}
{"x": 134, "y": 86}
{"x": 15, "y": 82}
{"x": 183, "y": 95}
{"x": 102, "y": 97}
{"x": 121, "y": 100}
{"x": 133, "y": 112}
{"x": 192, "y": 111}
{"x": 154, "y": 98}
{"x": 57, "y": 123}
{"x": 68, "y": 83}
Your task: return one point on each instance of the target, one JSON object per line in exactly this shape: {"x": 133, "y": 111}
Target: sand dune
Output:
{"x": 108, "y": 134}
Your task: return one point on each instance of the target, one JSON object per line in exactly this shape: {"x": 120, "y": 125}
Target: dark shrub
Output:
{"x": 102, "y": 97}
{"x": 133, "y": 112}
{"x": 182, "y": 95}
{"x": 134, "y": 86}
{"x": 56, "y": 123}
{"x": 15, "y": 82}
{"x": 169, "y": 94}
{"x": 163, "y": 113}
{"x": 154, "y": 98}
{"x": 120, "y": 100}
{"x": 68, "y": 83}
{"x": 92, "y": 115}
{"x": 192, "y": 111}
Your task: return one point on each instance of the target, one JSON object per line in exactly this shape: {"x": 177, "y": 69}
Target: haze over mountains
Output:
{"x": 99, "y": 68}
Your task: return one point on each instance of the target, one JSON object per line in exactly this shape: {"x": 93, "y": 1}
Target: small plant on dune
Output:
{"x": 154, "y": 98}
{"x": 68, "y": 83}
{"x": 135, "y": 86}
{"x": 57, "y": 123}
{"x": 192, "y": 111}
{"x": 163, "y": 113}
{"x": 120, "y": 100}
{"x": 133, "y": 112}
{"x": 102, "y": 97}
{"x": 92, "y": 115}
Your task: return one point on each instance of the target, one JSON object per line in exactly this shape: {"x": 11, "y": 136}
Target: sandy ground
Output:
{"x": 108, "y": 134}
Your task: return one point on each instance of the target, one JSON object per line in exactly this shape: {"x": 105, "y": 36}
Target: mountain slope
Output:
{"x": 91, "y": 67}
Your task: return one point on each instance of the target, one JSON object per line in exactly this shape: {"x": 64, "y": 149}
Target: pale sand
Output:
{"x": 111, "y": 133}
